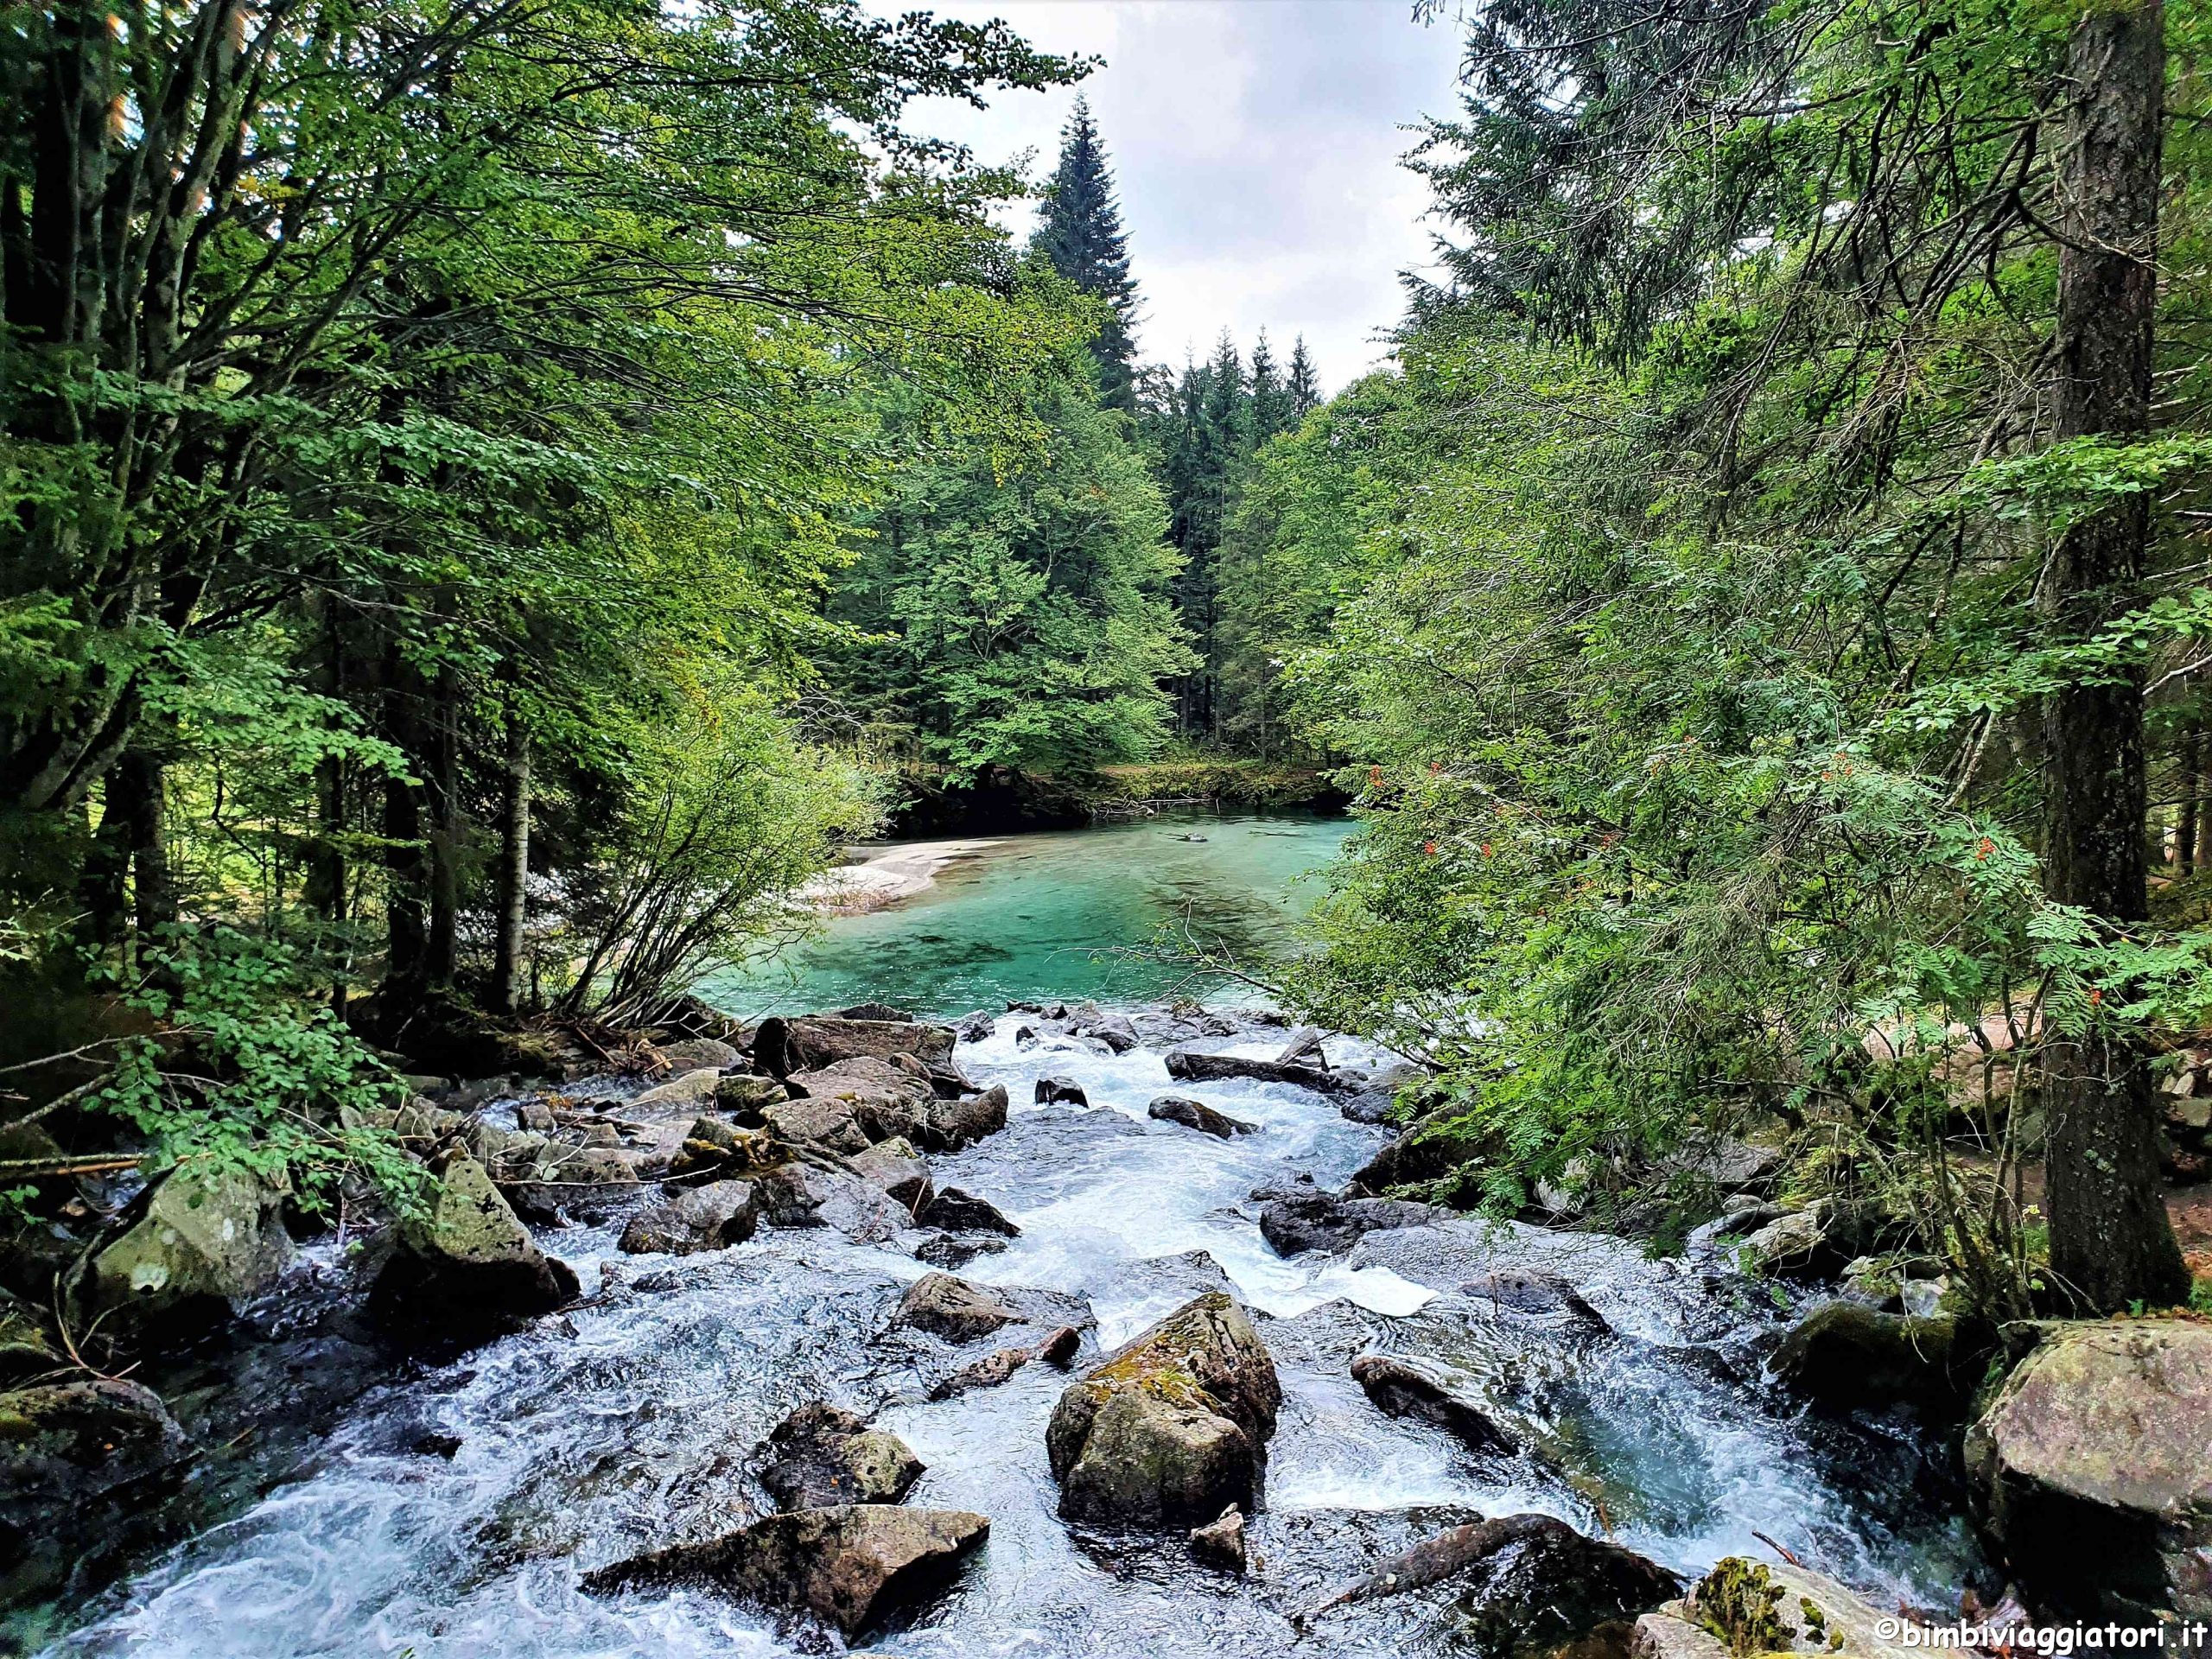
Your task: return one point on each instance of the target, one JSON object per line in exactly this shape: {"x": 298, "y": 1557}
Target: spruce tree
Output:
{"x": 1081, "y": 234}
{"x": 1271, "y": 398}
{"x": 1304, "y": 390}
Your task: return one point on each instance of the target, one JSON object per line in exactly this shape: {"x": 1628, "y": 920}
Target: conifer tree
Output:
{"x": 1304, "y": 388}
{"x": 1081, "y": 234}
{"x": 1271, "y": 398}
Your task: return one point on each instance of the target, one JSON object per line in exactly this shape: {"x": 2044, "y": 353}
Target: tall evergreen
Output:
{"x": 1271, "y": 398}
{"x": 1082, "y": 235}
{"x": 1305, "y": 388}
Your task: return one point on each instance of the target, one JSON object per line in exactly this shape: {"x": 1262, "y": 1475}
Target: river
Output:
{"x": 624, "y": 1424}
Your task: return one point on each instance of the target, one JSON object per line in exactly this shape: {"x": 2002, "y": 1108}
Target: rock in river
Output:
{"x": 469, "y": 1266}
{"x": 1168, "y": 1429}
{"x": 955, "y": 1211}
{"x": 1765, "y": 1607}
{"x": 1186, "y": 1066}
{"x": 850, "y": 1567}
{"x": 2092, "y": 1472}
{"x": 1530, "y": 1582}
{"x": 1197, "y": 1115}
{"x": 1428, "y": 1394}
{"x": 952, "y": 1124}
{"x": 825, "y": 1456}
{"x": 1844, "y": 1354}
{"x": 783, "y": 1046}
{"x": 1052, "y": 1091}
{"x": 1320, "y": 1221}
{"x": 208, "y": 1237}
{"x": 708, "y": 1218}
{"x": 953, "y": 1308}
{"x": 72, "y": 1441}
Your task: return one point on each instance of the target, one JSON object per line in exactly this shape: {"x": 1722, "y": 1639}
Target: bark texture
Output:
{"x": 2110, "y": 1240}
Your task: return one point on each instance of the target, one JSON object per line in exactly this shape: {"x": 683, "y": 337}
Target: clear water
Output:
{"x": 628, "y": 1422}
{"x": 1065, "y": 915}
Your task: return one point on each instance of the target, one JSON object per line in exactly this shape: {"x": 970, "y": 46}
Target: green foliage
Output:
{"x": 244, "y": 1072}
{"x": 1739, "y": 1602}
{"x": 727, "y": 816}
{"x": 1080, "y": 233}
{"x": 1019, "y": 619}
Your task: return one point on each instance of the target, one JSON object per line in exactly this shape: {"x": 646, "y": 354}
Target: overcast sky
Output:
{"x": 1255, "y": 146}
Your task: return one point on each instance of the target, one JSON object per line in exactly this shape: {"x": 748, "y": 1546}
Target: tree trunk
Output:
{"x": 326, "y": 878}
{"x": 2185, "y": 831}
{"x": 514, "y": 871}
{"x": 444, "y": 848}
{"x": 2111, "y": 1244}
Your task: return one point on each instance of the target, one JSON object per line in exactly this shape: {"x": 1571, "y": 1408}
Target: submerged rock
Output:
{"x": 1168, "y": 1429}
{"x": 783, "y": 1046}
{"x": 469, "y": 1268}
{"x": 955, "y": 1211}
{"x": 1530, "y": 1290}
{"x": 208, "y": 1238}
{"x": 953, "y": 1308}
{"x": 1843, "y": 1354}
{"x": 1197, "y": 1115}
{"x": 825, "y": 1456}
{"x": 2091, "y": 1470}
{"x": 710, "y": 1217}
{"x": 957, "y": 1250}
{"x": 1429, "y": 1394}
{"x": 1321, "y": 1221}
{"x": 850, "y": 1567}
{"x": 1221, "y": 1546}
{"x": 1530, "y": 1582}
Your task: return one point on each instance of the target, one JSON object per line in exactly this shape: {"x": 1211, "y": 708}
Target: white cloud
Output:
{"x": 1255, "y": 146}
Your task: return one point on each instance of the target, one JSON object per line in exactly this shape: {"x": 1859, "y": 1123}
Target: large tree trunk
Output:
{"x": 514, "y": 871}
{"x": 2185, "y": 830}
{"x": 2111, "y": 1244}
{"x": 442, "y": 951}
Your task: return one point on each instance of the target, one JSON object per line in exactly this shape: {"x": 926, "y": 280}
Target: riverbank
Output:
{"x": 885, "y": 875}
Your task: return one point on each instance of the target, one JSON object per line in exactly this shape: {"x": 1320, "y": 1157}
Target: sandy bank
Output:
{"x": 886, "y": 876}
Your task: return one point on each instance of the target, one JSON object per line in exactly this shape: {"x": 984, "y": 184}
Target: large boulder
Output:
{"x": 1526, "y": 1583}
{"x": 1197, "y": 1115}
{"x": 468, "y": 1267}
{"x": 2092, "y": 1469}
{"x": 1186, "y": 1066}
{"x": 1168, "y": 1429}
{"x": 710, "y": 1217}
{"x": 850, "y": 1567}
{"x": 741, "y": 1092}
{"x": 208, "y": 1237}
{"x": 69, "y": 1441}
{"x": 783, "y": 1046}
{"x": 1844, "y": 1354}
{"x": 952, "y": 1124}
{"x": 1320, "y": 1221}
{"x": 824, "y": 1456}
{"x": 884, "y": 1101}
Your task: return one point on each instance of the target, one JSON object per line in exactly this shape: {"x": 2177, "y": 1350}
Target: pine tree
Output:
{"x": 1272, "y": 409}
{"x": 1082, "y": 235}
{"x": 1304, "y": 390}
